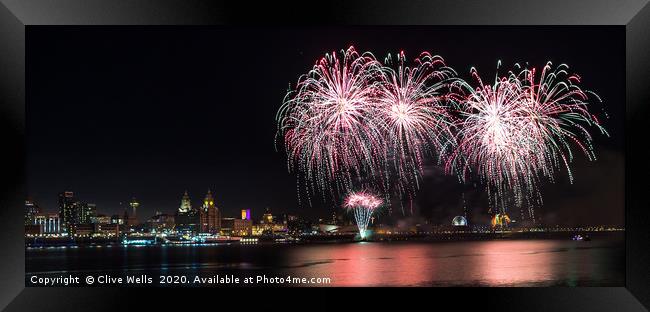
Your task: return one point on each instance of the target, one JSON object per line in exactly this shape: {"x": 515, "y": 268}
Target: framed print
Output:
{"x": 491, "y": 150}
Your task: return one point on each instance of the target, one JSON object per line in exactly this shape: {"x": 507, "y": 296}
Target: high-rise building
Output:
{"x": 132, "y": 219}
{"x": 186, "y": 204}
{"x": 209, "y": 216}
{"x": 134, "y": 207}
{"x": 78, "y": 212}
{"x": 67, "y": 209}
{"x": 31, "y": 210}
{"x": 186, "y": 217}
{"x": 91, "y": 212}
{"x": 246, "y": 214}
{"x": 84, "y": 212}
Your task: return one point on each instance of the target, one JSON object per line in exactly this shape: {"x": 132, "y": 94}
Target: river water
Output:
{"x": 548, "y": 262}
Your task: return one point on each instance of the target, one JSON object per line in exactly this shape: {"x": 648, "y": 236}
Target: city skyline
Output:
{"x": 185, "y": 201}
{"x": 127, "y": 207}
{"x": 165, "y": 127}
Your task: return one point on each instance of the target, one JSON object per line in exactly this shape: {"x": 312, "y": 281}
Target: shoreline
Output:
{"x": 45, "y": 243}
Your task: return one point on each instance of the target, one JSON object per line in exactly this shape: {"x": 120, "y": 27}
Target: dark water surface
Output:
{"x": 600, "y": 262}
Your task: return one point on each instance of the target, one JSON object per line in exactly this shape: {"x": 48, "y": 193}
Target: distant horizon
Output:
{"x": 255, "y": 216}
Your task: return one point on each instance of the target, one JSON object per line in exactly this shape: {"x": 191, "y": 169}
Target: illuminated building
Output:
{"x": 49, "y": 223}
{"x": 31, "y": 210}
{"x": 67, "y": 209}
{"x": 257, "y": 230}
{"x": 53, "y": 224}
{"x": 131, "y": 220}
{"x": 72, "y": 211}
{"x": 500, "y": 220}
{"x": 91, "y": 212}
{"x": 279, "y": 228}
{"x": 297, "y": 226}
{"x": 186, "y": 217}
{"x": 84, "y": 213}
{"x": 40, "y": 220}
{"x": 101, "y": 219}
{"x": 117, "y": 219}
{"x": 161, "y": 223}
{"x": 242, "y": 227}
{"x": 209, "y": 218}
{"x": 246, "y": 214}
{"x": 459, "y": 221}
{"x": 134, "y": 207}
{"x": 82, "y": 229}
{"x": 78, "y": 212}
{"x": 328, "y": 228}
{"x": 186, "y": 205}
{"x": 227, "y": 225}
{"x": 267, "y": 218}
{"x": 107, "y": 229}
{"x": 267, "y": 222}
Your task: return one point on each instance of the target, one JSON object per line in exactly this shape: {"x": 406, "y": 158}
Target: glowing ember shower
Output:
{"x": 326, "y": 123}
{"x": 413, "y": 114}
{"x": 363, "y": 205}
{"x": 353, "y": 122}
{"x": 520, "y": 129}
{"x": 352, "y": 119}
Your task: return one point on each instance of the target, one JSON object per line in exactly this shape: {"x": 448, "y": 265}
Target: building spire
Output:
{"x": 134, "y": 205}
{"x": 186, "y": 205}
{"x": 208, "y": 201}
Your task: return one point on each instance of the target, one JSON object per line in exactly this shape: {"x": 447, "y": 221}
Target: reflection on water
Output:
{"x": 477, "y": 263}
{"x": 493, "y": 263}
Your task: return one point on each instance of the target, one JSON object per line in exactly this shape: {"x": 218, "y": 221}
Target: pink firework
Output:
{"x": 363, "y": 204}
{"x": 518, "y": 129}
{"x": 327, "y": 122}
{"x": 413, "y": 113}
{"x": 362, "y": 199}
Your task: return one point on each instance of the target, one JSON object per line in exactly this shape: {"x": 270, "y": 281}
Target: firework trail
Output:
{"x": 363, "y": 204}
{"x": 519, "y": 129}
{"x": 329, "y": 134}
{"x": 412, "y": 111}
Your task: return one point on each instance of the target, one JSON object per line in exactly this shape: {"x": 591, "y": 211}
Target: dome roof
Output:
{"x": 459, "y": 221}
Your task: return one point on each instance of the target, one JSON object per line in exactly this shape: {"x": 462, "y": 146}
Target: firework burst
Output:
{"x": 363, "y": 204}
{"x": 352, "y": 121}
{"x": 327, "y": 122}
{"x": 521, "y": 128}
{"x": 411, "y": 108}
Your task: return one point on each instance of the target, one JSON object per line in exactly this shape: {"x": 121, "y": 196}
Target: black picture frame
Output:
{"x": 17, "y": 15}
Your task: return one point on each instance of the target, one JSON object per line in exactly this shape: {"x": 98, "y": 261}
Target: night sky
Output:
{"x": 153, "y": 111}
